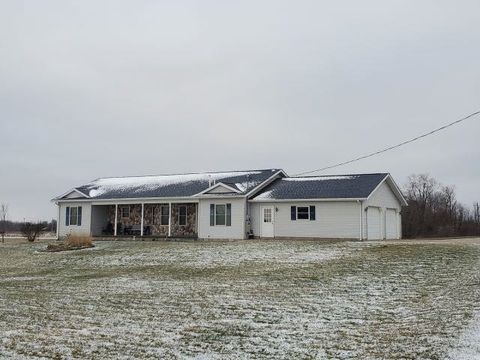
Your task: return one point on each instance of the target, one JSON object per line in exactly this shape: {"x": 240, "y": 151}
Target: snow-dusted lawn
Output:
{"x": 248, "y": 299}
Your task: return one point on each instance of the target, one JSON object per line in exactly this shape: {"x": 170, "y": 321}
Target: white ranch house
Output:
{"x": 235, "y": 205}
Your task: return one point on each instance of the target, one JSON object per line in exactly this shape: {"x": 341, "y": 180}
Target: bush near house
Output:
{"x": 72, "y": 242}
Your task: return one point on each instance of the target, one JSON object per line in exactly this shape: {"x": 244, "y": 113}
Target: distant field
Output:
{"x": 243, "y": 299}
{"x": 17, "y": 235}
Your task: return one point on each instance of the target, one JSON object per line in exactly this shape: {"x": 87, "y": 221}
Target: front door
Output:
{"x": 267, "y": 213}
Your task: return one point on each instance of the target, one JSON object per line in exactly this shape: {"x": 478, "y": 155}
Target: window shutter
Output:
{"x": 79, "y": 216}
{"x": 293, "y": 213}
{"x": 229, "y": 214}
{"x": 212, "y": 214}
{"x": 312, "y": 212}
{"x": 67, "y": 216}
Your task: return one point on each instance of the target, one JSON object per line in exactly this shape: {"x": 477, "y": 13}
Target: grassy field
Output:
{"x": 245, "y": 299}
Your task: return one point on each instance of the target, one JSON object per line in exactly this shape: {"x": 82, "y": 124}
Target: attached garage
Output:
{"x": 374, "y": 223}
{"x": 363, "y": 206}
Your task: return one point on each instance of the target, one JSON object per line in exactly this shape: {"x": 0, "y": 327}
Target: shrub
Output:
{"x": 72, "y": 242}
{"x": 78, "y": 241}
{"x": 32, "y": 230}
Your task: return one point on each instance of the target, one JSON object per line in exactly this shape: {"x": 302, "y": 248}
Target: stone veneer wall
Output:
{"x": 135, "y": 217}
{"x": 156, "y": 228}
{"x": 188, "y": 230}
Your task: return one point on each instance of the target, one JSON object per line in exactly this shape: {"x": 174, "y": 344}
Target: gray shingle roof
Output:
{"x": 164, "y": 186}
{"x": 355, "y": 186}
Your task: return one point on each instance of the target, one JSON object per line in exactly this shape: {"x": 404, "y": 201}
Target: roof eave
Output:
{"x": 309, "y": 199}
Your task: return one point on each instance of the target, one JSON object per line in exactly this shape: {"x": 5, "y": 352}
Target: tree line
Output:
{"x": 433, "y": 210}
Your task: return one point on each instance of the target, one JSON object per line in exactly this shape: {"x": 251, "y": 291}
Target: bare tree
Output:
{"x": 32, "y": 230}
{"x": 476, "y": 217}
{"x": 3, "y": 219}
{"x": 433, "y": 210}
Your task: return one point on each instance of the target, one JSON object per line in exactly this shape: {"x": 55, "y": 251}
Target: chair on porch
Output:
{"x": 108, "y": 230}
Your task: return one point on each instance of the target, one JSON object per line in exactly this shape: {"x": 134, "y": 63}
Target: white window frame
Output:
{"x": 270, "y": 211}
{"x": 308, "y": 213}
{"x": 121, "y": 211}
{"x": 180, "y": 215}
{"x": 69, "y": 218}
{"x": 215, "y": 205}
{"x": 168, "y": 215}
{"x": 225, "y": 214}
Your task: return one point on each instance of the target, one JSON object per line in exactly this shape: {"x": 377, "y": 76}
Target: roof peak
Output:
{"x": 190, "y": 173}
{"x": 337, "y": 175}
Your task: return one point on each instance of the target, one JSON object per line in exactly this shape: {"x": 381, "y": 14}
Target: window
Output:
{"x": 73, "y": 216}
{"x": 220, "y": 214}
{"x": 125, "y": 212}
{"x": 182, "y": 215}
{"x": 165, "y": 215}
{"x": 267, "y": 215}
{"x": 302, "y": 213}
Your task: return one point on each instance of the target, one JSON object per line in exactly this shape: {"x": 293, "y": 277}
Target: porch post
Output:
{"x": 116, "y": 219}
{"x": 141, "y": 221}
{"x": 169, "y": 219}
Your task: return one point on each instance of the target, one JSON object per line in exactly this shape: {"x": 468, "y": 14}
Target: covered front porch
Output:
{"x": 175, "y": 220}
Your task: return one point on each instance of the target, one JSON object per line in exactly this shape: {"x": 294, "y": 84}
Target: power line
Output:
{"x": 391, "y": 147}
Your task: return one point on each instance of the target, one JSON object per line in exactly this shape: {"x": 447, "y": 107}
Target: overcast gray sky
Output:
{"x": 105, "y": 88}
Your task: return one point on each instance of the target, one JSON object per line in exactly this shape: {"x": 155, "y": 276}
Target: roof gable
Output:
{"x": 73, "y": 194}
{"x": 221, "y": 188}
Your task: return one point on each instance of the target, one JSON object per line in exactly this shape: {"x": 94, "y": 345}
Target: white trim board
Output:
{"x": 302, "y": 200}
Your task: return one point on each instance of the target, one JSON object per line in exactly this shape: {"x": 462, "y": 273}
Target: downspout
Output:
{"x": 361, "y": 220}
{"x": 58, "y": 221}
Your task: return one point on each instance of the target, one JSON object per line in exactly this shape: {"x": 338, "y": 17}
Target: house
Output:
{"x": 234, "y": 205}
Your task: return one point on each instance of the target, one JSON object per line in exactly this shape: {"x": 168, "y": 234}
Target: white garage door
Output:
{"x": 374, "y": 223}
{"x": 391, "y": 224}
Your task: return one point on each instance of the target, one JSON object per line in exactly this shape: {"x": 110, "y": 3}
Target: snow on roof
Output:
{"x": 171, "y": 185}
{"x": 356, "y": 186}
{"x": 265, "y": 195}
{"x": 321, "y": 178}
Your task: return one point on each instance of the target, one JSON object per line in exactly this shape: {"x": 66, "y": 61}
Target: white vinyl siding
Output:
{"x": 383, "y": 198}
{"x": 237, "y": 228}
{"x": 220, "y": 189}
{"x": 84, "y": 228}
{"x": 74, "y": 195}
{"x": 391, "y": 224}
{"x": 335, "y": 219}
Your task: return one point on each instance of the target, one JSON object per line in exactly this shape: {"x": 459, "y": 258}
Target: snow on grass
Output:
{"x": 468, "y": 347}
{"x": 245, "y": 299}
